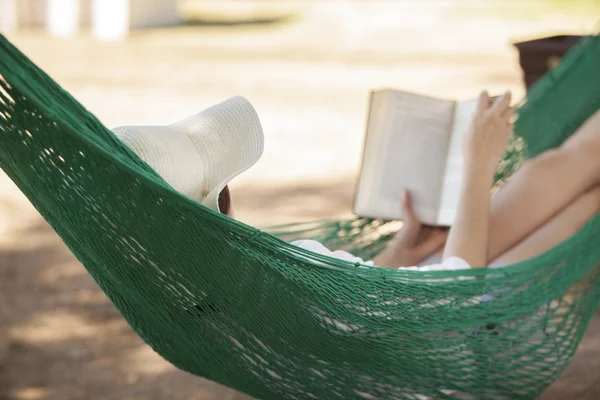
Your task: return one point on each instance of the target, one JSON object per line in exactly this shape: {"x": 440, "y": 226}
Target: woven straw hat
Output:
{"x": 199, "y": 155}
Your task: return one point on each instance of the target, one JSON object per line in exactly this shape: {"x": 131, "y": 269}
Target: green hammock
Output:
{"x": 242, "y": 307}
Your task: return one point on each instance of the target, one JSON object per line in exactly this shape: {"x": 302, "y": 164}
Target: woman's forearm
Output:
{"x": 469, "y": 235}
{"x": 485, "y": 143}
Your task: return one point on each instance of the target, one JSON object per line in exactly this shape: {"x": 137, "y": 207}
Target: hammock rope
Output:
{"x": 242, "y": 307}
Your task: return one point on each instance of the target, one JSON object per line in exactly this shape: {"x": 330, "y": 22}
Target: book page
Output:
{"x": 454, "y": 164}
{"x": 414, "y": 134}
{"x": 366, "y": 202}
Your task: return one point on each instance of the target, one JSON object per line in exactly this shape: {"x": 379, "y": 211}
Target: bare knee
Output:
{"x": 548, "y": 160}
{"x": 584, "y": 208}
{"x": 587, "y": 137}
{"x": 545, "y": 165}
{"x": 577, "y": 158}
{"x": 592, "y": 199}
{"x": 579, "y": 165}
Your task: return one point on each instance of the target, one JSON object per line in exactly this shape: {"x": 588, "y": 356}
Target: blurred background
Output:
{"x": 307, "y": 66}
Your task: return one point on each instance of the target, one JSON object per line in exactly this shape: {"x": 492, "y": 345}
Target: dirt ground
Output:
{"x": 308, "y": 76}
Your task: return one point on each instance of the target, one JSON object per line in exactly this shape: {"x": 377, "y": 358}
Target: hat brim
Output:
{"x": 229, "y": 138}
{"x": 201, "y": 154}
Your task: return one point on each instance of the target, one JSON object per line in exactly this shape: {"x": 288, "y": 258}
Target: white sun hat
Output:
{"x": 199, "y": 155}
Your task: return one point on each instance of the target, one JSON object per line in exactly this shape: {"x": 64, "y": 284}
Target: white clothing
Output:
{"x": 449, "y": 264}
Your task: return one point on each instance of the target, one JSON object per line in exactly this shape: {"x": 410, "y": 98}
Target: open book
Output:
{"x": 413, "y": 142}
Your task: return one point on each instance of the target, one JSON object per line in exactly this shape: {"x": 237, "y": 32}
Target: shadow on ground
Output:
{"x": 62, "y": 339}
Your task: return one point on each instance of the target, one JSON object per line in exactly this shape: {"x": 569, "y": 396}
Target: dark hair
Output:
{"x": 225, "y": 201}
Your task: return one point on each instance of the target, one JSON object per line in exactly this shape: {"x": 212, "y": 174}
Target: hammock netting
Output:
{"x": 244, "y": 308}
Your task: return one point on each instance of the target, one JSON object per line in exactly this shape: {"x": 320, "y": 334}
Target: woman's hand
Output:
{"x": 416, "y": 240}
{"x": 490, "y": 130}
{"x": 413, "y": 243}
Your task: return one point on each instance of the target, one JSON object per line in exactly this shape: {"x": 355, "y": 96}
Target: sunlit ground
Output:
{"x": 307, "y": 68}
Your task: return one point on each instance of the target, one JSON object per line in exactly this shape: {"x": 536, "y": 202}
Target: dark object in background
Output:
{"x": 538, "y": 56}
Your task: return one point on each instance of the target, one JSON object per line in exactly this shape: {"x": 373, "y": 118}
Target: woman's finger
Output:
{"x": 508, "y": 114}
{"x": 501, "y": 103}
{"x": 412, "y": 227}
{"x": 483, "y": 103}
{"x": 407, "y": 208}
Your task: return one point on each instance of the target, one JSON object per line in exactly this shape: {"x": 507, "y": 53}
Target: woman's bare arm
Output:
{"x": 485, "y": 143}
{"x": 469, "y": 235}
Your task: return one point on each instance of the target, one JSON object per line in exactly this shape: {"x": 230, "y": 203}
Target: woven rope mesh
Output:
{"x": 242, "y": 307}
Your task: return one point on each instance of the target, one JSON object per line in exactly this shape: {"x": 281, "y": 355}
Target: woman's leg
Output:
{"x": 544, "y": 186}
{"x": 556, "y": 230}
